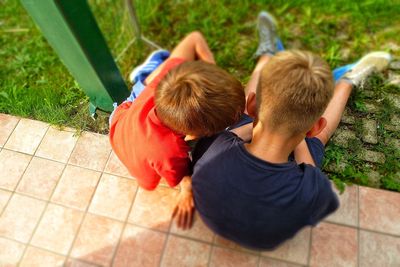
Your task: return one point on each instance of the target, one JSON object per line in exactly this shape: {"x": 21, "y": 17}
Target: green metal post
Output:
{"x": 72, "y": 31}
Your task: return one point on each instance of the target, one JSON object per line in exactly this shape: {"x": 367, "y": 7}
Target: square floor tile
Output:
{"x": 226, "y": 257}
{"x": 295, "y": 250}
{"x": 4, "y": 197}
{"x": 198, "y": 231}
{"x": 27, "y": 136}
{"x": 264, "y": 262}
{"x": 348, "y": 209}
{"x": 91, "y": 151}
{"x": 379, "y": 250}
{"x": 380, "y": 210}
{"x": 97, "y": 240}
{"x": 20, "y": 217}
{"x": 113, "y": 197}
{"x": 57, "y": 229}
{"x": 10, "y": 252}
{"x": 12, "y": 167}
{"x": 185, "y": 252}
{"x": 153, "y": 209}
{"x": 139, "y": 247}
{"x": 57, "y": 145}
{"x": 220, "y": 241}
{"x": 76, "y": 187}
{"x": 334, "y": 245}
{"x": 38, "y": 257}
{"x": 115, "y": 166}
{"x": 40, "y": 178}
{"x": 7, "y": 125}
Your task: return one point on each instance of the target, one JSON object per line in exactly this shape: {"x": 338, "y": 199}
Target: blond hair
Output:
{"x": 294, "y": 89}
{"x": 199, "y": 98}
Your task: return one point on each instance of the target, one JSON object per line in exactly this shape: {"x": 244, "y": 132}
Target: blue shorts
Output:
{"x": 139, "y": 86}
{"x": 316, "y": 147}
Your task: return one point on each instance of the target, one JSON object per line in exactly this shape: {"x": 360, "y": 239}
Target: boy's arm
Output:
{"x": 184, "y": 209}
{"x": 302, "y": 154}
{"x": 244, "y": 132}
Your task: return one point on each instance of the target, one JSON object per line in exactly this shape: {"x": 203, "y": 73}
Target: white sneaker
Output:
{"x": 372, "y": 62}
{"x": 266, "y": 25}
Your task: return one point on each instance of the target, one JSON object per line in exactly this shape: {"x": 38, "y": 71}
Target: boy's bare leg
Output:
{"x": 193, "y": 47}
{"x": 251, "y": 86}
{"x": 335, "y": 109}
{"x": 374, "y": 61}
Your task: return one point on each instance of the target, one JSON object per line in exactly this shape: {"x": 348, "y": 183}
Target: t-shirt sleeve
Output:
{"x": 174, "y": 169}
{"x": 317, "y": 150}
{"x": 324, "y": 201}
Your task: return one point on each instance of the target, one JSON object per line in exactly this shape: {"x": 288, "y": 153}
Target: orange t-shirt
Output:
{"x": 145, "y": 146}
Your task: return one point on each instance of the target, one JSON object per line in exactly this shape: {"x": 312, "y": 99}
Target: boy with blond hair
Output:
{"x": 259, "y": 184}
{"x": 176, "y": 98}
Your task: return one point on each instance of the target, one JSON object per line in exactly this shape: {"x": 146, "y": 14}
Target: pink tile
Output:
{"x": 76, "y": 187}
{"x": 10, "y": 252}
{"x": 4, "y": 197}
{"x": 334, "y": 245}
{"x": 348, "y": 210}
{"x": 40, "y": 178}
{"x": 295, "y": 250}
{"x": 379, "y": 250}
{"x": 264, "y": 262}
{"x": 220, "y": 241}
{"x": 113, "y": 197}
{"x": 20, "y": 217}
{"x": 139, "y": 247}
{"x": 12, "y": 166}
{"x": 185, "y": 252}
{"x": 222, "y": 257}
{"x": 91, "y": 151}
{"x": 7, "y": 125}
{"x": 115, "y": 166}
{"x": 27, "y": 136}
{"x": 38, "y": 257}
{"x": 57, "y": 229}
{"x": 97, "y": 240}
{"x": 380, "y": 210}
{"x": 57, "y": 145}
{"x": 198, "y": 231}
{"x": 153, "y": 209}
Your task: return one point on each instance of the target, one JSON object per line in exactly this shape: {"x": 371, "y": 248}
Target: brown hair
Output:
{"x": 199, "y": 98}
{"x": 295, "y": 88}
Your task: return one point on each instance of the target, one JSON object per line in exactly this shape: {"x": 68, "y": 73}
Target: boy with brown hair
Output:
{"x": 176, "y": 98}
{"x": 259, "y": 184}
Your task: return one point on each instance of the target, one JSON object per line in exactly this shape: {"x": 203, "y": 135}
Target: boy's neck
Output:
{"x": 272, "y": 146}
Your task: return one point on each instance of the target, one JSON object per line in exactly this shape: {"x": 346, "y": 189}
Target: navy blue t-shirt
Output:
{"x": 255, "y": 203}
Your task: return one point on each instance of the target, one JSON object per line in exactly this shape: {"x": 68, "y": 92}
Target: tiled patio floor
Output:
{"x": 67, "y": 201}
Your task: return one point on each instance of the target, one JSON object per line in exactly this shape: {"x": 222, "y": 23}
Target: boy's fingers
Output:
{"x": 174, "y": 212}
{"x": 187, "y": 219}
{"x": 181, "y": 215}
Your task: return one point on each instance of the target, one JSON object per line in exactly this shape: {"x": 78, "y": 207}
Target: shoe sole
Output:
{"x": 378, "y": 55}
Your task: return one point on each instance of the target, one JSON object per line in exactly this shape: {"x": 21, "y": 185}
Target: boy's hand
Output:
{"x": 184, "y": 210}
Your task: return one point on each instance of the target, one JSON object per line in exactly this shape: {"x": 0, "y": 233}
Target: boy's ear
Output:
{"x": 251, "y": 105}
{"x": 317, "y": 127}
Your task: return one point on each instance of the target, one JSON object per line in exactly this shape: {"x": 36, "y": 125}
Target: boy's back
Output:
{"x": 253, "y": 202}
{"x": 148, "y": 148}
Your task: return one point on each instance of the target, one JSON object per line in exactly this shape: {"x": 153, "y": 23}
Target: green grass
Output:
{"x": 35, "y": 84}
